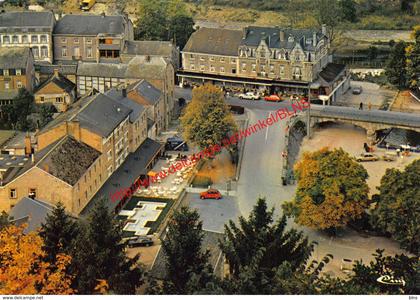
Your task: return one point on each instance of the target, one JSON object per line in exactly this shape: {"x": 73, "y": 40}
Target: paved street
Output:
{"x": 213, "y": 213}
{"x": 261, "y": 177}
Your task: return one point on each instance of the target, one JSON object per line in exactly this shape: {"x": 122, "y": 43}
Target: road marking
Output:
{"x": 266, "y": 132}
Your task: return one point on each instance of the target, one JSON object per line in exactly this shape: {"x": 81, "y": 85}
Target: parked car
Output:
{"x": 249, "y": 96}
{"x": 176, "y": 144}
{"x": 274, "y": 98}
{"x": 141, "y": 241}
{"x": 367, "y": 157}
{"x": 390, "y": 156}
{"x": 357, "y": 90}
{"x": 211, "y": 194}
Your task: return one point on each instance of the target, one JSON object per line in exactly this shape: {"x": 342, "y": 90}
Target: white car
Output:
{"x": 249, "y": 96}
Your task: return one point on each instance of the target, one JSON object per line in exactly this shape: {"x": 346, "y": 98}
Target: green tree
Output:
{"x": 397, "y": 210}
{"x": 59, "y": 233}
{"x": 413, "y": 59}
{"x": 328, "y": 12}
{"x": 396, "y": 67}
{"x": 4, "y": 220}
{"x": 46, "y": 112}
{"x": 99, "y": 256}
{"x": 331, "y": 190}
{"x": 348, "y": 10}
{"x": 164, "y": 20}
{"x": 187, "y": 265}
{"x": 258, "y": 247}
{"x": 364, "y": 278}
{"x": 207, "y": 119}
{"x": 16, "y": 114}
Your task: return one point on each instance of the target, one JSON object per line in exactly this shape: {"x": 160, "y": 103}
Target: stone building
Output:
{"x": 58, "y": 91}
{"x": 93, "y": 38}
{"x": 104, "y": 76}
{"x": 75, "y": 154}
{"x": 270, "y": 58}
{"x": 16, "y": 72}
{"x": 28, "y": 29}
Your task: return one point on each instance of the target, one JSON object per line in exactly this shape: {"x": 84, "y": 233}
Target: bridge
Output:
{"x": 370, "y": 120}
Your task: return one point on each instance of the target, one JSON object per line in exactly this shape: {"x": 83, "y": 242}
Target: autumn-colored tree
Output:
{"x": 413, "y": 59}
{"x": 207, "y": 119}
{"x": 331, "y": 190}
{"x": 22, "y": 268}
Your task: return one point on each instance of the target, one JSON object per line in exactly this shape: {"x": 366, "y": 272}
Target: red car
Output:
{"x": 211, "y": 194}
{"x": 274, "y": 98}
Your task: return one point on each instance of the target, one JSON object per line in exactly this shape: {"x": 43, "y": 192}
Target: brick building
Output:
{"x": 94, "y": 38}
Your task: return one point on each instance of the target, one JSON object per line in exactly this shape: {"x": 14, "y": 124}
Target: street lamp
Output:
{"x": 308, "y": 130}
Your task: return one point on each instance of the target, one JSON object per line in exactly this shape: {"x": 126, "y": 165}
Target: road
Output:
{"x": 260, "y": 177}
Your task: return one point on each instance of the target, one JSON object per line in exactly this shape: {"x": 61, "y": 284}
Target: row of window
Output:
{"x": 43, "y": 53}
{"x": 76, "y": 52}
{"x": 296, "y": 70}
{"x": 212, "y": 58}
{"x": 7, "y": 85}
{"x": 13, "y": 193}
{"x": 24, "y": 39}
{"x": 12, "y": 72}
{"x": 75, "y": 41}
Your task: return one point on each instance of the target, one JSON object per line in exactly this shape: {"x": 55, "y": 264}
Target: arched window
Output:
{"x": 44, "y": 51}
{"x": 15, "y": 39}
{"x": 34, "y": 39}
{"x": 35, "y": 51}
{"x": 25, "y": 39}
{"x": 6, "y": 39}
{"x": 44, "y": 38}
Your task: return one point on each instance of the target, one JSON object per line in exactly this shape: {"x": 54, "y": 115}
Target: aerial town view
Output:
{"x": 209, "y": 147}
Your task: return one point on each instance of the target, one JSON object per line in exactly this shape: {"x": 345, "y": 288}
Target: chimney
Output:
{"x": 314, "y": 41}
{"x": 124, "y": 92}
{"x": 56, "y": 72}
{"x": 75, "y": 129}
{"x": 244, "y": 32}
{"x": 324, "y": 29}
{"x": 103, "y": 14}
{"x": 28, "y": 146}
{"x": 281, "y": 35}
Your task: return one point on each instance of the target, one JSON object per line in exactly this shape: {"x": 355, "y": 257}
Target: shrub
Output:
{"x": 202, "y": 181}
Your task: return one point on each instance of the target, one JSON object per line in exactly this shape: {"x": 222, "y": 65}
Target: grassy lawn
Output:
{"x": 152, "y": 225}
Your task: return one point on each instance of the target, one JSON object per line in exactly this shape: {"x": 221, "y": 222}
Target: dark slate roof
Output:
{"x": 27, "y": 19}
{"x": 94, "y": 69}
{"x": 90, "y": 25}
{"x": 158, "y": 48}
{"x": 61, "y": 81}
{"x": 210, "y": 242}
{"x": 136, "y": 108}
{"x": 14, "y": 58}
{"x": 48, "y": 69}
{"x": 146, "y": 90}
{"x": 138, "y": 67}
{"x": 271, "y": 35}
{"x": 331, "y": 71}
{"x": 217, "y": 41}
{"x": 69, "y": 160}
{"x": 134, "y": 165}
{"x": 98, "y": 113}
{"x": 102, "y": 115}
{"x": 32, "y": 212}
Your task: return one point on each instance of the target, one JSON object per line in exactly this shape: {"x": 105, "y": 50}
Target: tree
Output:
{"x": 327, "y": 12}
{"x": 46, "y": 112}
{"x": 4, "y": 220}
{"x": 331, "y": 190}
{"x": 364, "y": 278}
{"x": 16, "y": 114}
{"x": 397, "y": 210}
{"x": 207, "y": 119}
{"x": 164, "y": 20}
{"x": 396, "y": 71}
{"x": 257, "y": 248}
{"x": 22, "y": 269}
{"x": 348, "y": 10}
{"x": 413, "y": 59}
{"x": 372, "y": 53}
{"x": 58, "y": 233}
{"x": 186, "y": 262}
{"x": 99, "y": 256}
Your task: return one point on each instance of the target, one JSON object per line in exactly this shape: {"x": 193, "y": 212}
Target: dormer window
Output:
{"x": 291, "y": 39}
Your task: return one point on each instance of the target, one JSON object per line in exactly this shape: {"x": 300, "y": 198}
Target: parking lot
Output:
{"x": 214, "y": 213}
